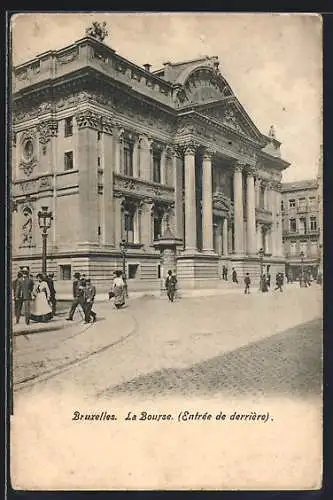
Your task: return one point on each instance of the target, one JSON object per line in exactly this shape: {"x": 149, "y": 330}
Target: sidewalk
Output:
{"x": 183, "y": 293}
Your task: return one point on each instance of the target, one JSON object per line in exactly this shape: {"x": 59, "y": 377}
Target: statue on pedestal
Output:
{"x": 98, "y": 31}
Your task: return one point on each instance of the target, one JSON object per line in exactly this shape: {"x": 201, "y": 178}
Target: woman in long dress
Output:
{"x": 118, "y": 290}
{"x": 40, "y": 308}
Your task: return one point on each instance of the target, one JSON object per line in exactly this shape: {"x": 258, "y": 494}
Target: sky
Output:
{"x": 273, "y": 62}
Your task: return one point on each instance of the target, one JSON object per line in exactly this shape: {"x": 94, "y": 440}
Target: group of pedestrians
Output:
{"x": 265, "y": 282}
{"x": 84, "y": 293}
{"x": 35, "y": 297}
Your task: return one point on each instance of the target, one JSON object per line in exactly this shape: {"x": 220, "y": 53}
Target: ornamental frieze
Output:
{"x": 68, "y": 56}
{"x": 88, "y": 118}
{"x": 46, "y": 130}
{"x": 141, "y": 189}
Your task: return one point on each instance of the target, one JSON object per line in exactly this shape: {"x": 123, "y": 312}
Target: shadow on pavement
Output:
{"x": 287, "y": 363}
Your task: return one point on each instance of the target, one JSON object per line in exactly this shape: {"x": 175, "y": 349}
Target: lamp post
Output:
{"x": 123, "y": 245}
{"x": 301, "y": 281}
{"x": 261, "y": 257}
{"x": 44, "y": 221}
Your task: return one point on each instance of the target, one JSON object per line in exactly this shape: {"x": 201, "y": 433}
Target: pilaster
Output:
{"x": 207, "y": 202}
{"x": 107, "y": 216}
{"x": 88, "y": 179}
{"x": 190, "y": 198}
{"x": 238, "y": 208}
{"x": 250, "y": 215}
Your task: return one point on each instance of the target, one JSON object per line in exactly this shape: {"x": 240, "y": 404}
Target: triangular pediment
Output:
{"x": 232, "y": 115}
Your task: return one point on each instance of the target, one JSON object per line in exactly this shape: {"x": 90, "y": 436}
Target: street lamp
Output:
{"x": 123, "y": 245}
{"x": 44, "y": 221}
{"x": 302, "y": 282}
{"x": 261, "y": 257}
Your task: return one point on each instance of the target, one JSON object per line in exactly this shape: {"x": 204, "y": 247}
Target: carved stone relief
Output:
{"x": 46, "y": 130}
{"x": 26, "y": 229}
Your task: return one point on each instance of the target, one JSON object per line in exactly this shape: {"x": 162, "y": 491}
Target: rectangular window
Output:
{"x": 65, "y": 272}
{"x": 312, "y": 202}
{"x": 282, "y": 207}
{"x": 68, "y": 126}
{"x": 128, "y": 159}
{"x": 99, "y": 136}
{"x": 132, "y": 271}
{"x": 129, "y": 226}
{"x": 157, "y": 227}
{"x": 68, "y": 159}
{"x": 262, "y": 197}
{"x": 302, "y": 204}
{"x": 98, "y": 161}
{"x": 302, "y": 225}
{"x": 157, "y": 166}
{"x": 292, "y": 203}
{"x": 292, "y": 225}
{"x": 158, "y": 271}
{"x": 313, "y": 223}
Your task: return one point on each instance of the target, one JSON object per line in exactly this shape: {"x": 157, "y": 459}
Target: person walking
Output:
{"x": 24, "y": 289}
{"x": 279, "y": 282}
{"x": 247, "y": 282}
{"x": 78, "y": 296}
{"x": 234, "y": 275}
{"x": 18, "y": 301}
{"x": 41, "y": 309}
{"x": 89, "y": 295}
{"x": 118, "y": 290}
{"x": 53, "y": 301}
{"x": 264, "y": 286}
{"x": 170, "y": 285}
{"x": 224, "y": 272}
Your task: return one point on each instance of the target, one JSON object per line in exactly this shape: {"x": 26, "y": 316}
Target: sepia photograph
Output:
{"x": 166, "y": 251}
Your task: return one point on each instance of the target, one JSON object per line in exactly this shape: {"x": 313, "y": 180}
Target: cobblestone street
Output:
{"x": 203, "y": 346}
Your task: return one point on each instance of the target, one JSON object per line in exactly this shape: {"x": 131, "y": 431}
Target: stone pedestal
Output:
{"x": 167, "y": 245}
{"x": 197, "y": 270}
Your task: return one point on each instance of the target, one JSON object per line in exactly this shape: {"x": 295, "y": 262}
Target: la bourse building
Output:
{"x": 119, "y": 152}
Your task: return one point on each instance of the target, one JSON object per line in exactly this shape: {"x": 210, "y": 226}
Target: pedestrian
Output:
{"x": 18, "y": 300}
{"x": 89, "y": 295}
{"x": 125, "y": 284}
{"x": 41, "y": 309}
{"x": 268, "y": 277}
{"x": 118, "y": 289}
{"x": 170, "y": 285}
{"x": 224, "y": 272}
{"x": 78, "y": 296}
{"x": 53, "y": 301}
{"x": 247, "y": 282}
{"x": 24, "y": 289}
{"x": 264, "y": 287}
{"x": 234, "y": 275}
{"x": 279, "y": 282}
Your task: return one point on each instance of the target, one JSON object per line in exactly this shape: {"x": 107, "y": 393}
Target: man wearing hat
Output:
{"x": 89, "y": 295}
{"x": 18, "y": 301}
{"x": 78, "y": 296}
{"x": 53, "y": 300}
{"x": 23, "y": 292}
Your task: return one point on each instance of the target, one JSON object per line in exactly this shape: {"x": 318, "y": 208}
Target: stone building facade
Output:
{"x": 301, "y": 226}
{"x": 119, "y": 152}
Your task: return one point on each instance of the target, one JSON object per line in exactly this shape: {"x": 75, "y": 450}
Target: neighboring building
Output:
{"x": 301, "y": 226}
{"x": 321, "y": 211}
{"x": 118, "y": 152}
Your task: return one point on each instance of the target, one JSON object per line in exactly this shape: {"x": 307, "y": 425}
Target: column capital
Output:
{"x": 208, "y": 153}
{"x": 107, "y": 124}
{"x": 190, "y": 147}
{"x": 250, "y": 170}
{"x": 239, "y": 166}
{"x": 88, "y": 119}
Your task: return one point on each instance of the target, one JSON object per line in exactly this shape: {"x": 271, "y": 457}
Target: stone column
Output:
{"x": 207, "y": 203}
{"x": 190, "y": 200}
{"x": 145, "y": 158}
{"x": 279, "y": 248}
{"x": 118, "y": 202}
{"x": 259, "y": 236}
{"x": 118, "y": 146}
{"x": 257, "y": 190}
{"x": 163, "y": 165}
{"x": 88, "y": 123}
{"x": 146, "y": 222}
{"x": 225, "y": 236}
{"x": 107, "y": 215}
{"x": 250, "y": 213}
{"x": 238, "y": 209}
{"x": 265, "y": 196}
{"x": 177, "y": 168}
{"x": 274, "y": 215}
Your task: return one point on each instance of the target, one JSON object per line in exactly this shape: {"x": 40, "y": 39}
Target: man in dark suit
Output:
{"x": 18, "y": 301}
{"x": 78, "y": 296}
{"x": 24, "y": 289}
{"x": 89, "y": 296}
{"x": 53, "y": 300}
